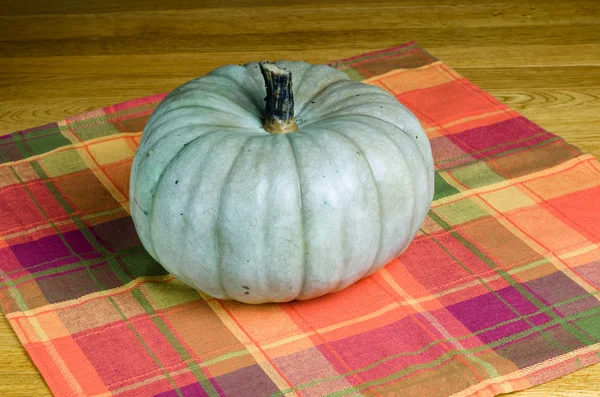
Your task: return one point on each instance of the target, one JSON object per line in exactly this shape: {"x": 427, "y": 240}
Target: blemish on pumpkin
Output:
{"x": 140, "y": 207}
{"x": 245, "y": 287}
{"x": 181, "y": 213}
{"x": 312, "y": 101}
{"x": 246, "y": 293}
{"x": 177, "y": 181}
{"x": 185, "y": 144}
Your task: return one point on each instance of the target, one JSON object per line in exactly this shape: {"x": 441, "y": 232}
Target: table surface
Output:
{"x": 60, "y": 58}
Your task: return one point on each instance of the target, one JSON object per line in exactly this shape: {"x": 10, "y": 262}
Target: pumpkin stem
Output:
{"x": 279, "y": 110}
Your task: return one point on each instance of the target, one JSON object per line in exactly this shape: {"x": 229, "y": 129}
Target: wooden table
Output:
{"x": 59, "y": 58}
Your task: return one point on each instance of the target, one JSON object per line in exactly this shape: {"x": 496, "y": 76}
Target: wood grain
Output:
{"x": 542, "y": 57}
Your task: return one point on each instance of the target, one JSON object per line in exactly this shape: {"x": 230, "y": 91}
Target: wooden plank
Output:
{"x": 303, "y": 41}
{"x": 517, "y": 56}
{"x": 18, "y": 375}
{"x": 320, "y": 19}
{"x": 195, "y": 64}
{"x": 126, "y": 85}
{"x": 534, "y": 77}
{"x": 68, "y": 7}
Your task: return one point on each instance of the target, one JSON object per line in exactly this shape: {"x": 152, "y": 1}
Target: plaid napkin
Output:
{"x": 498, "y": 292}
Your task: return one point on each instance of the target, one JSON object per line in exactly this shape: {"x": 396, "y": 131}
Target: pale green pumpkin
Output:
{"x": 337, "y": 187}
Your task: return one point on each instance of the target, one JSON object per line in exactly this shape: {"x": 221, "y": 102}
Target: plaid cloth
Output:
{"x": 498, "y": 292}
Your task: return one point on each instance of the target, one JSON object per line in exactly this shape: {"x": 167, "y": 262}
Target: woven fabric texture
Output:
{"x": 498, "y": 292}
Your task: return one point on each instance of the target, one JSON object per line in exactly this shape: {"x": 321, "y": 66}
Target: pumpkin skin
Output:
{"x": 239, "y": 213}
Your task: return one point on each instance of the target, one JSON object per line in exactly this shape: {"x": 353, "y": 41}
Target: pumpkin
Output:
{"x": 269, "y": 182}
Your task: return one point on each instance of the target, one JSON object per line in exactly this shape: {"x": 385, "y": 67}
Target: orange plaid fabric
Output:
{"x": 498, "y": 292}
